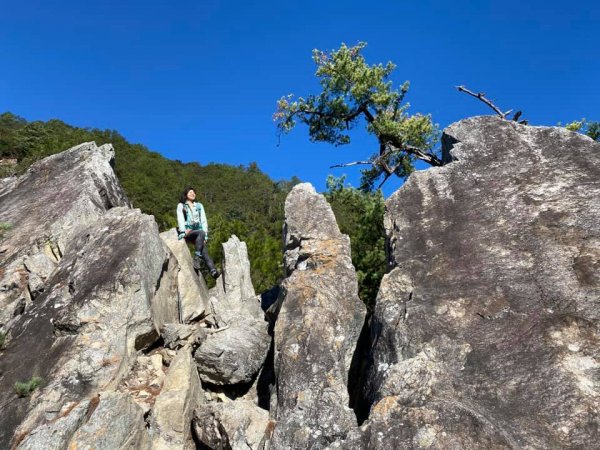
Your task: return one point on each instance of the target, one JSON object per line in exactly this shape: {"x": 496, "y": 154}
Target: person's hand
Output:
{"x": 187, "y": 232}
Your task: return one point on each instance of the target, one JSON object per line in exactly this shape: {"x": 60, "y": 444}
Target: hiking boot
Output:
{"x": 215, "y": 273}
{"x": 197, "y": 262}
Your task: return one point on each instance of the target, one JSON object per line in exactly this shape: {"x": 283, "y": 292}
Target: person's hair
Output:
{"x": 183, "y": 197}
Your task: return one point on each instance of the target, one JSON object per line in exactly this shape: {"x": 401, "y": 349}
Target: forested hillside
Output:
{"x": 240, "y": 200}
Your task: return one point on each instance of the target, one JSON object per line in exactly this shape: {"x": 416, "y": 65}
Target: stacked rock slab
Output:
{"x": 235, "y": 353}
{"x": 112, "y": 286}
{"x": 320, "y": 319}
{"x": 486, "y": 333}
{"x": 192, "y": 290}
{"x": 181, "y": 394}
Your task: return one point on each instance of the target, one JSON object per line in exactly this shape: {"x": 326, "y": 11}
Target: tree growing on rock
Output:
{"x": 352, "y": 93}
{"x": 589, "y": 128}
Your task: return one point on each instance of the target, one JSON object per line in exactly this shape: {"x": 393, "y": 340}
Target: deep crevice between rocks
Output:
{"x": 357, "y": 375}
{"x": 164, "y": 269}
{"x": 148, "y": 342}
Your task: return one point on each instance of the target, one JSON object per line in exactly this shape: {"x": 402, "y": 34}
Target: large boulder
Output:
{"x": 107, "y": 285}
{"x": 45, "y": 209}
{"x": 317, "y": 328}
{"x": 193, "y": 293}
{"x": 181, "y": 394}
{"x": 486, "y": 332}
{"x": 234, "y": 353}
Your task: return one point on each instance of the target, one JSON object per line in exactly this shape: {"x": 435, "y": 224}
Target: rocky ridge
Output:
{"x": 108, "y": 314}
{"x": 484, "y": 335}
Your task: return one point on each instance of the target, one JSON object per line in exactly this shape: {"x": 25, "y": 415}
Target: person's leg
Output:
{"x": 199, "y": 239}
{"x": 194, "y": 238}
{"x": 203, "y": 248}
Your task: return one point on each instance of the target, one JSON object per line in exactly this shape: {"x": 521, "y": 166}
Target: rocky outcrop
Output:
{"x": 95, "y": 283}
{"x": 236, "y": 352}
{"x": 485, "y": 333}
{"x": 192, "y": 290}
{"x": 44, "y": 214}
{"x": 173, "y": 410}
{"x": 486, "y": 330}
{"x": 319, "y": 321}
{"x": 103, "y": 313}
{"x": 82, "y": 334}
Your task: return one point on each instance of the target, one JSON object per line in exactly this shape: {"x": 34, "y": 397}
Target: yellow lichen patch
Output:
{"x": 383, "y": 407}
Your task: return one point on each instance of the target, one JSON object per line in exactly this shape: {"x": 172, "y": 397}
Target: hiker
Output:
{"x": 192, "y": 225}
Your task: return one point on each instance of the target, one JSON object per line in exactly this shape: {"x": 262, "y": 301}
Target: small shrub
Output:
{"x": 4, "y": 227}
{"x": 2, "y": 340}
{"x": 25, "y": 388}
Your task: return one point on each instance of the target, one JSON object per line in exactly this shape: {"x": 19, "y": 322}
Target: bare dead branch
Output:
{"x": 481, "y": 96}
{"x": 387, "y": 176}
{"x": 354, "y": 163}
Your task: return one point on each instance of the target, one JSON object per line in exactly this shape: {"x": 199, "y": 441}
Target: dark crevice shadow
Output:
{"x": 360, "y": 366}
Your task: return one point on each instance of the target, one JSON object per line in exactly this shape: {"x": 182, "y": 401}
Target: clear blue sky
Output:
{"x": 198, "y": 80}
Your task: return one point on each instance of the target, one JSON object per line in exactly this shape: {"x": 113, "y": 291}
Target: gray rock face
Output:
{"x": 171, "y": 417}
{"x": 105, "y": 286}
{"x": 237, "y": 425}
{"x": 319, "y": 321}
{"x": 193, "y": 293}
{"x": 116, "y": 423}
{"x": 235, "y": 353}
{"x": 45, "y": 213}
{"x": 486, "y": 332}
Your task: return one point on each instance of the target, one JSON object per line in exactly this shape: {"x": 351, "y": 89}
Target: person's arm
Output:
{"x": 180, "y": 221}
{"x": 203, "y": 221}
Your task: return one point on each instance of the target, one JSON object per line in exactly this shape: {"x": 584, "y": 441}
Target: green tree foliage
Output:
{"x": 354, "y": 92}
{"x": 360, "y": 215}
{"x": 240, "y": 200}
{"x": 591, "y": 129}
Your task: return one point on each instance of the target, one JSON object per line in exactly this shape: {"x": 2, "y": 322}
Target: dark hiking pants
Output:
{"x": 198, "y": 237}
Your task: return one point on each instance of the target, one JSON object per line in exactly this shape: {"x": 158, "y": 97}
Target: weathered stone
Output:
{"x": 193, "y": 293}
{"x": 116, "y": 423}
{"x": 40, "y": 264}
{"x": 58, "y": 433}
{"x": 320, "y": 319}
{"x": 82, "y": 333}
{"x": 177, "y": 334}
{"x": 235, "y": 296}
{"x": 144, "y": 381}
{"x": 171, "y": 417}
{"x": 113, "y": 286}
{"x": 41, "y": 205}
{"x": 52, "y": 202}
{"x": 235, "y": 353}
{"x": 486, "y": 332}
{"x": 238, "y": 425}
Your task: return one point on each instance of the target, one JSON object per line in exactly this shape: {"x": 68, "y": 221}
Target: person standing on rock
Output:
{"x": 193, "y": 227}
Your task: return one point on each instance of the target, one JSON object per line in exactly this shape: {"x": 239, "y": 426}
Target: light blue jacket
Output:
{"x": 186, "y": 221}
